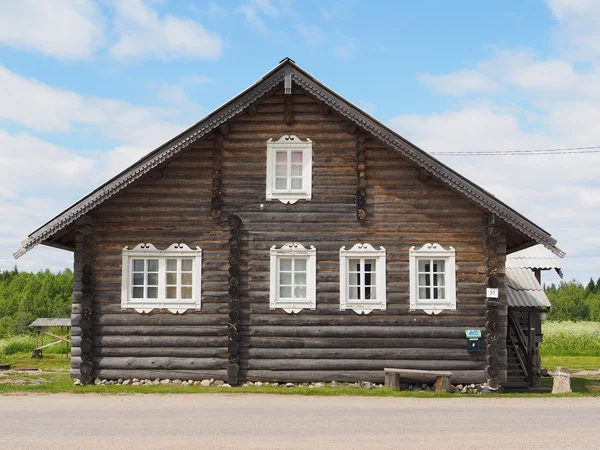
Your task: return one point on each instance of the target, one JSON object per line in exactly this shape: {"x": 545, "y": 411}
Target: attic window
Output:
{"x": 164, "y": 279}
{"x": 289, "y": 169}
{"x": 432, "y": 278}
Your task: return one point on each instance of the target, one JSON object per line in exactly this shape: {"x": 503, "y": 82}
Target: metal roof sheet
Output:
{"x": 52, "y": 322}
{"x": 536, "y": 257}
{"x": 524, "y": 290}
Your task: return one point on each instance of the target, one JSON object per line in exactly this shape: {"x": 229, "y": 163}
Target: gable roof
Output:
{"x": 536, "y": 257}
{"x": 289, "y": 72}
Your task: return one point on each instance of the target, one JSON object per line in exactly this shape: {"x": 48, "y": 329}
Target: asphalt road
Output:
{"x": 226, "y": 421}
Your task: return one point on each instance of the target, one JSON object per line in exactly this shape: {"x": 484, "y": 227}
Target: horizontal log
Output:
{"x": 301, "y": 320}
{"x": 367, "y": 343}
{"x": 374, "y": 376}
{"x": 254, "y": 353}
{"x": 157, "y": 341}
{"x": 359, "y": 364}
{"x": 152, "y": 352}
{"x": 140, "y": 330}
{"x": 357, "y": 332}
{"x": 160, "y": 363}
{"x": 115, "y": 374}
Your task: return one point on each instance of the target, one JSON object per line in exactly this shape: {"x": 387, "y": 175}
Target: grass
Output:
{"x": 571, "y": 339}
{"x": 54, "y": 378}
{"x": 574, "y": 363}
{"x": 25, "y": 344}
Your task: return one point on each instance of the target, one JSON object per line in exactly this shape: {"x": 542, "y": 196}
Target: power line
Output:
{"x": 547, "y": 151}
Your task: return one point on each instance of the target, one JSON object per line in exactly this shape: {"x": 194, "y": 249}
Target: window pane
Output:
{"x": 441, "y": 293}
{"x": 370, "y": 292}
{"x": 424, "y": 293}
{"x": 285, "y": 291}
{"x": 172, "y": 278}
{"x": 439, "y": 265}
{"x": 300, "y": 279}
{"x": 300, "y": 265}
{"x": 296, "y": 183}
{"x": 353, "y": 279}
{"x": 354, "y": 265}
{"x": 285, "y": 264}
{"x": 281, "y": 157}
{"x": 152, "y": 279}
{"x": 138, "y": 279}
{"x": 369, "y": 278}
{"x": 138, "y": 265}
{"x": 424, "y": 279}
{"x": 280, "y": 170}
{"x": 296, "y": 170}
{"x": 186, "y": 292}
{"x": 172, "y": 265}
{"x": 297, "y": 157}
{"x": 353, "y": 293}
{"x": 152, "y": 292}
{"x": 153, "y": 265}
{"x": 439, "y": 279}
{"x": 138, "y": 292}
{"x": 187, "y": 265}
{"x": 424, "y": 265}
{"x": 186, "y": 279}
{"x": 300, "y": 292}
{"x": 171, "y": 292}
{"x": 280, "y": 183}
{"x": 370, "y": 265}
{"x": 285, "y": 278}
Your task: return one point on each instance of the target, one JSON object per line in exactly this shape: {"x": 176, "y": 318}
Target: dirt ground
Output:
{"x": 268, "y": 421}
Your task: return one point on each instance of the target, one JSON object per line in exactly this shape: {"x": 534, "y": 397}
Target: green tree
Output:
{"x": 591, "y": 287}
{"x": 568, "y": 302}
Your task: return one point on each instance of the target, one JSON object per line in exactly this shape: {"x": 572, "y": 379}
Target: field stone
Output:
{"x": 156, "y": 382}
{"x": 258, "y": 383}
{"x": 561, "y": 382}
{"x": 177, "y": 381}
{"x": 274, "y": 384}
{"x": 319, "y": 385}
{"x": 205, "y": 383}
{"x": 165, "y": 381}
{"x": 289, "y": 385}
{"x": 77, "y": 382}
{"x": 120, "y": 381}
{"x": 225, "y": 385}
{"x": 135, "y": 380}
{"x": 219, "y": 383}
{"x": 135, "y": 383}
{"x": 185, "y": 383}
{"x": 197, "y": 383}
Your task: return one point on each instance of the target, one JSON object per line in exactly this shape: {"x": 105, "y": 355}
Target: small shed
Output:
{"x": 42, "y": 326}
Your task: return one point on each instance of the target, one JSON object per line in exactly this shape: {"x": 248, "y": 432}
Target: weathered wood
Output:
{"x": 401, "y": 212}
{"x": 392, "y": 381}
{"x": 442, "y": 385}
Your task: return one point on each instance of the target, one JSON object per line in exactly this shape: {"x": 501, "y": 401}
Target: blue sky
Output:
{"x": 90, "y": 86}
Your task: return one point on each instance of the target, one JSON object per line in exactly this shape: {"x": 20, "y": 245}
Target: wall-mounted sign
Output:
{"x": 491, "y": 292}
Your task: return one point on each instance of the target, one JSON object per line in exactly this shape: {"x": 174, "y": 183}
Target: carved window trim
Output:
{"x": 289, "y": 143}
{"x": 433, "y": 251}
{"x": 149, "y": 251}
{"x": 294, "y": 251}
{"x": 363, "y": 251}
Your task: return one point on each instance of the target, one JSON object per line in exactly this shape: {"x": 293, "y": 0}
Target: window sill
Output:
{"x": 363, "y": 307}
{"x": 288, "y": 198}
{"x": 430, "y": 308}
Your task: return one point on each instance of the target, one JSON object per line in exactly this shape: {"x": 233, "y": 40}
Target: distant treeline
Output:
{"x": 25, "y": 296}
{"x": 573, "y": 301}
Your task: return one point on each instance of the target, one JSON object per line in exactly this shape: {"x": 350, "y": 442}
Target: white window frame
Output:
{"x": 293, "y": 250}
{"x": 433, "y": 251}
{"x": 289, "y": 143}
{"x": 363, "y": 251}
{"x": 149, "y": 251}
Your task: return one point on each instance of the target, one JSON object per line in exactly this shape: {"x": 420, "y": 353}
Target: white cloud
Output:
{"x": 40, "y": 107}
{"x": 459, "y": 83}
{"x": 143, "y": 33}
{"x": 255, "y": 10}
{"x": 578, "y": 27}
{"x": 68, "y": 29}
{"x": 27, "y": 161}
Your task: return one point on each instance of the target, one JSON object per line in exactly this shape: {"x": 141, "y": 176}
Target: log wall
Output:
{"x": 402, "y": 209}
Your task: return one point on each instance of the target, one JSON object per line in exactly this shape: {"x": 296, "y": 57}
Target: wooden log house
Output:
{"x": 288, "y": 236}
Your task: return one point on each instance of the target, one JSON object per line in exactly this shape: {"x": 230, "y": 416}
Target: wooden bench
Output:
{"x": 395, "y": 378}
